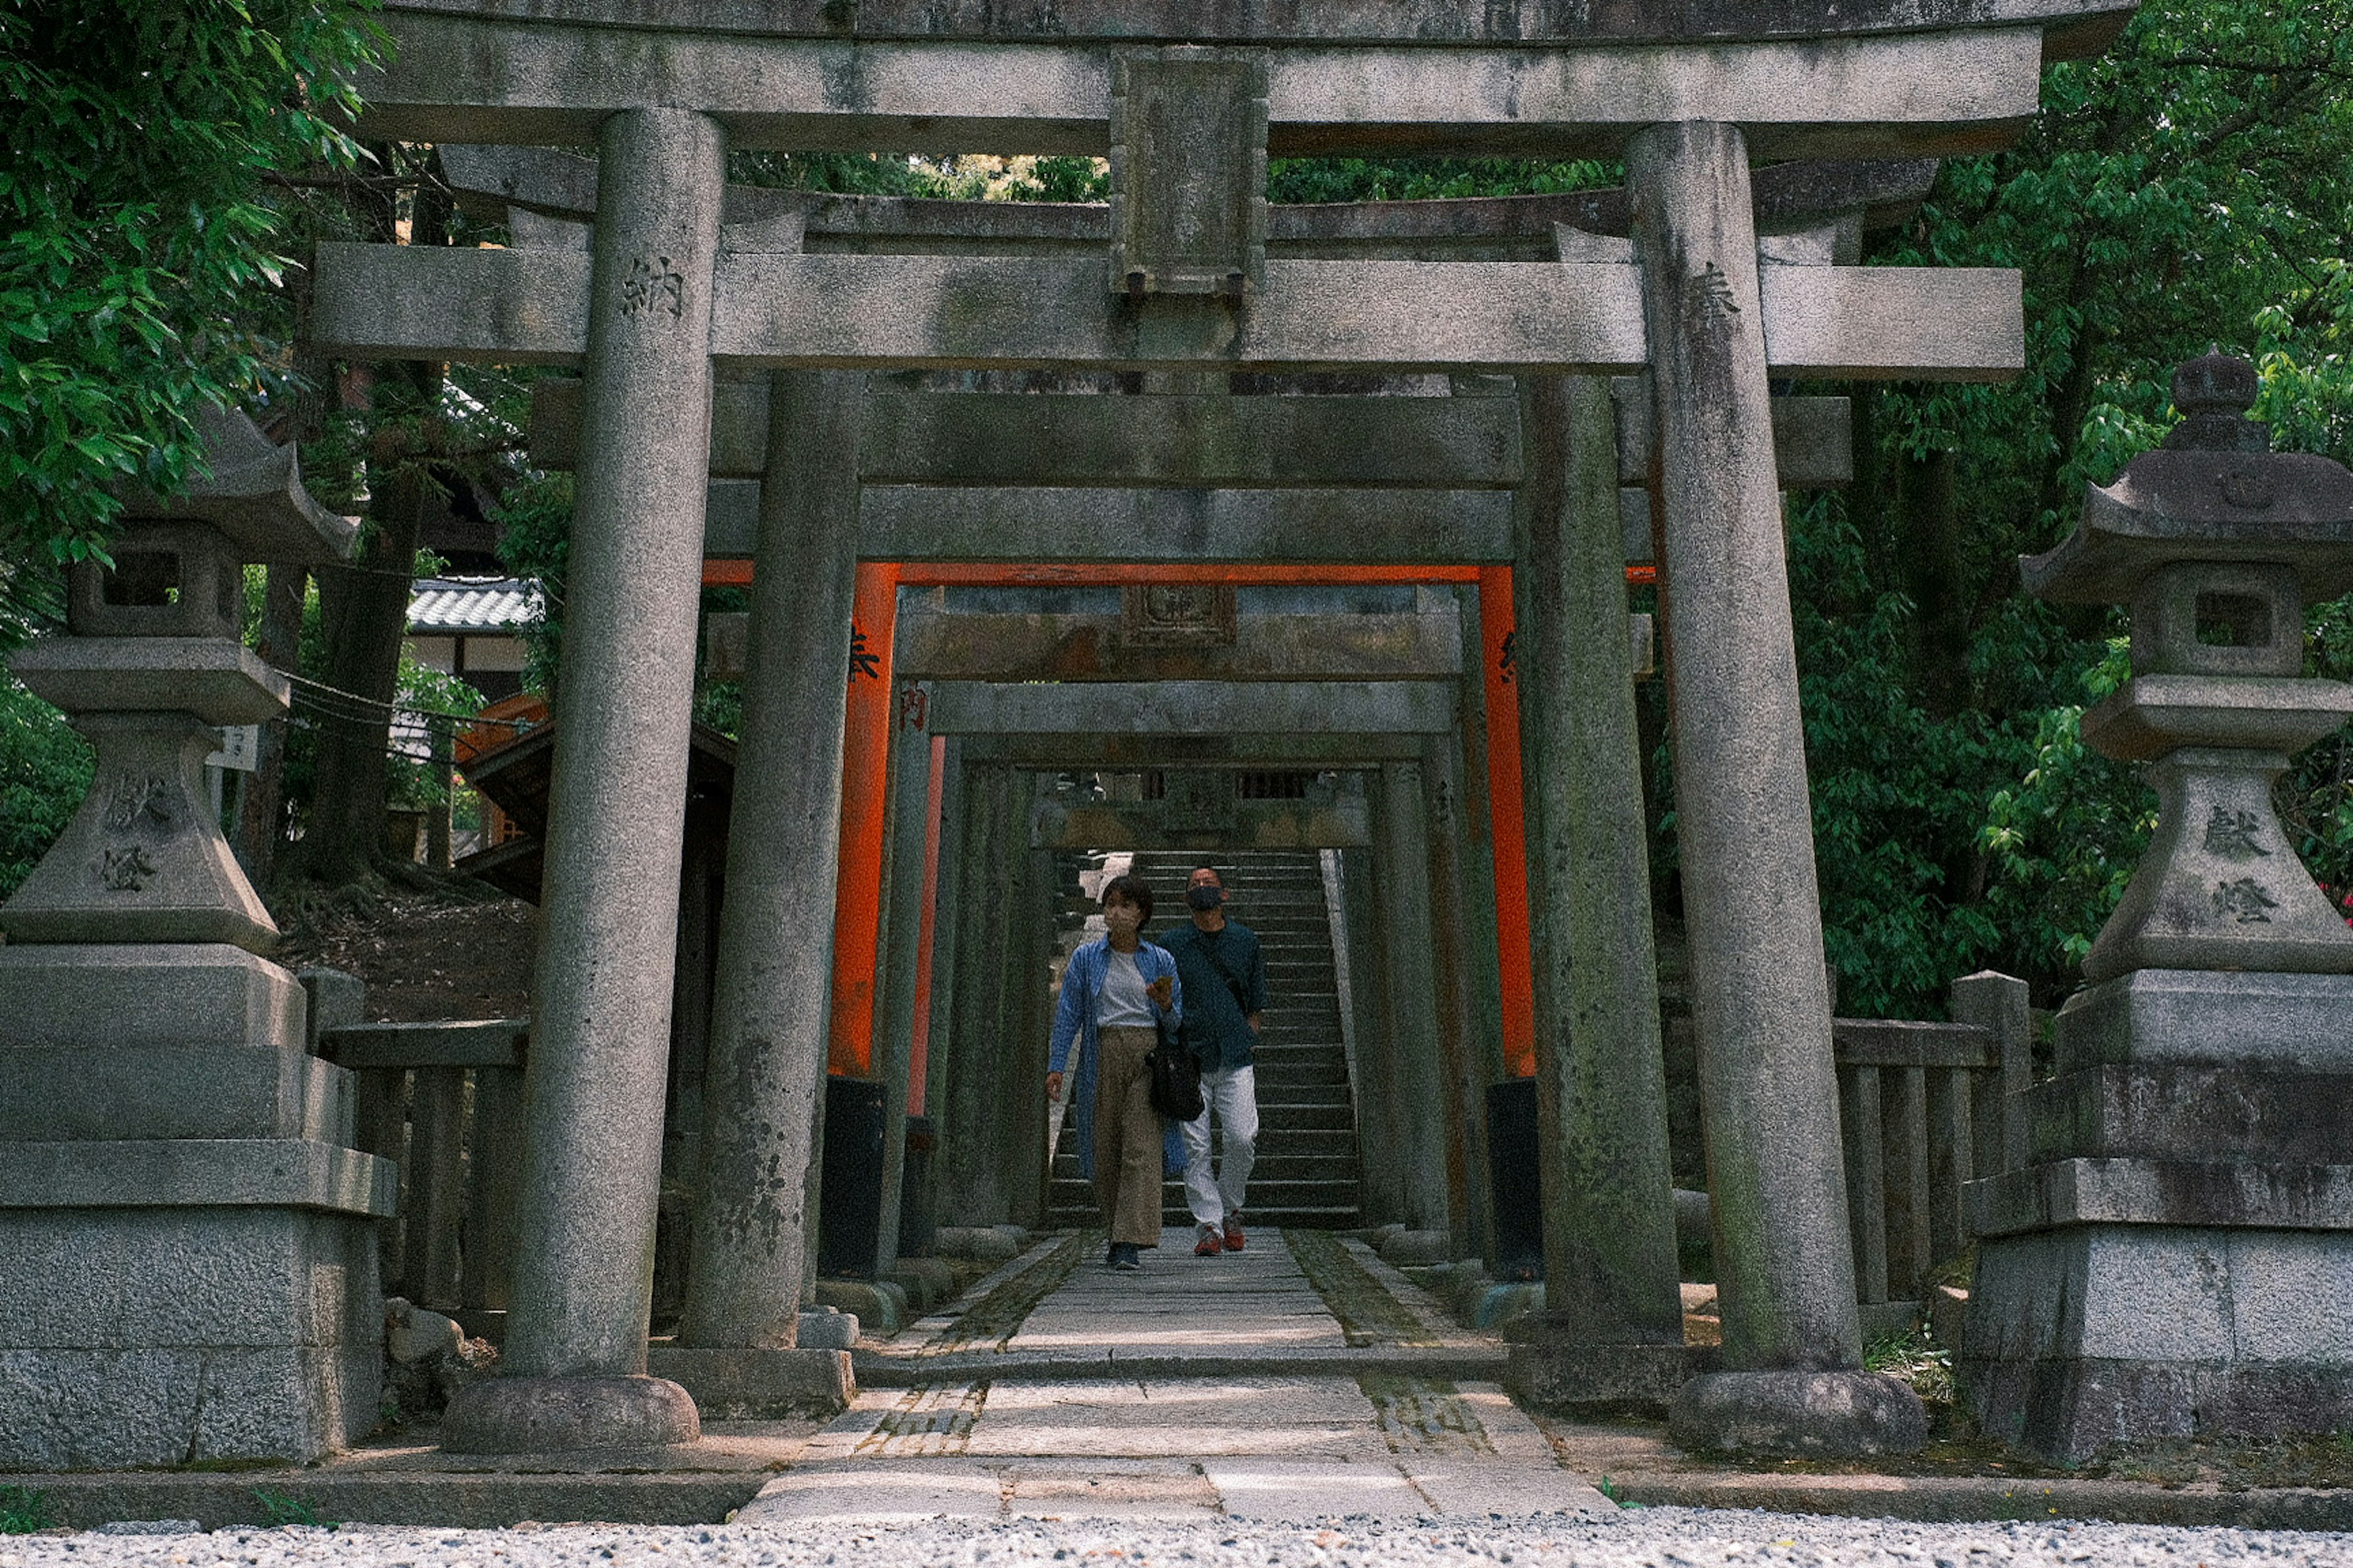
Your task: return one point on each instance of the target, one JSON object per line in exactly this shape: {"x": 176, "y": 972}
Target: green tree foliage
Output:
{"x": 2187, "y": 189}
{"x": 135, "y": 139}
{"x": 1310, "y": 180}
{"x": 44, "y": 771}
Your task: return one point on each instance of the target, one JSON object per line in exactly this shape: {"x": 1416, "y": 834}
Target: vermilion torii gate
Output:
{"x": 670, "y": 288}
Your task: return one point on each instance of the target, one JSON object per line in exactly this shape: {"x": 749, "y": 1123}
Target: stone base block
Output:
{"x": 758, "y": 1386}
{"x": 203, "y": 1278}
{"x": 179, "y": 995}
{"x": 1823, "y": 1414}
{"x": 2163, "y": 1192}
{"x": 1414, "y": 1248}
{"x": 2083, "y": 1337}
{"x": 2194, "y": 1113}
{"x": 882, "y": 1307}
{"x": 165, "y": 1336}
{"x": 197, "y": 1173}
{"x": 49, "y": 1093}
{"x": 559, "y": 1414}
{"x": 2070, "y": 1411}
{"x": 928, "y": 1282}
{"x": 1547, "y": 1370}
{"x": 1882, "y": 1320}
{"x": 2285, "y": 1022}
{"x": 115, "y": 1409}
{"x": 981, "y": 1243}
{"x": 824, "y": 1329}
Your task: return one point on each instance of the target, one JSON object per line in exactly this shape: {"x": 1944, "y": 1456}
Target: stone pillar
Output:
{"x": 899, "y": 949}
{"x": 1029, "y": 1021}
{"x": 575, "y": 1351}
{"x": 1462, "y": 1096}
{"x": 770, "y": 1007}
{"x": 971, "y": 1117}
{"x": 1612, "y": 1331}
{"x": 955, "y": 830}
{"x": 1760, "y": 998}
{"x": 1365, "y": 1032}
{"x": 1416, "y": 1081}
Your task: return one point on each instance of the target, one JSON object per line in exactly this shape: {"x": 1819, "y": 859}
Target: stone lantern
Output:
{"x": 2177, "y": 1258}
{"x": 189, "y": 1231}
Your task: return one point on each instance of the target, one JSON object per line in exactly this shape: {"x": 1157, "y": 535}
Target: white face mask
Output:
{"x": 1124, "y": 920}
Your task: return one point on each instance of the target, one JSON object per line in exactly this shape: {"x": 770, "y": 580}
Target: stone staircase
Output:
{"x": 1306, "y": 1172}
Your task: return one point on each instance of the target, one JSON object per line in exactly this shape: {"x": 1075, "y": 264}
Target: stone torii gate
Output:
{"x": 950, "y": 475}
{"x": 668, "y": 290}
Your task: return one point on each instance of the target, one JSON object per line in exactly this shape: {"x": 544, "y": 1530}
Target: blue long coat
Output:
{"x": 1074, "y": 1027}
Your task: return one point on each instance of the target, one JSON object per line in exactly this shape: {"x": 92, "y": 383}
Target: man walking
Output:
{"x": 1223, "y": 977}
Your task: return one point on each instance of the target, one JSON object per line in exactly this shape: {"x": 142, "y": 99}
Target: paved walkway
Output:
{"x": 1299, "y": 1379}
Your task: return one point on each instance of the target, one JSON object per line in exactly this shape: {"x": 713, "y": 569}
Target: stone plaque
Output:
{"x": 1176, "y": 614}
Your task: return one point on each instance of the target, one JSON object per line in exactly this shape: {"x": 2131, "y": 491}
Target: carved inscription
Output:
{"x": 1507, "y": 661}
{"x": 2246, "y": 900}
{"x": 126, "y": 868}
{"x": 914, "y": 706}
{"x": 139, "y": 800}
{"x": 2232, "y": 834}
{"x": 652, "y": 285}
{"x": 1711, "y": 295}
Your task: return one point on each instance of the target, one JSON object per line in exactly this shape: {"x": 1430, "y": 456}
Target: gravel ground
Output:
{"x": 1652, "y": 1538}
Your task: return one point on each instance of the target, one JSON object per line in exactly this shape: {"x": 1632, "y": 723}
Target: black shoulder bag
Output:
{"x": 1176, "y": 1076}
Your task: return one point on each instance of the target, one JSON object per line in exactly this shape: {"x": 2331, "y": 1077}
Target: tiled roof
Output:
{"x": 472, "y": 604}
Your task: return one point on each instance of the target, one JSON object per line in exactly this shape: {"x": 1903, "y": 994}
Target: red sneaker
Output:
{"x": 1233, "y": 1237}
{"x": 1208, "y": 1245}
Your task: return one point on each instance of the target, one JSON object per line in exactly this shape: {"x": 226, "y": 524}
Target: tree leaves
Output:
{"x": 135, "y": 235}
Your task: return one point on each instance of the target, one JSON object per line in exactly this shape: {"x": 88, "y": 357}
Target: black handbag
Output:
{"x": 1176, "y": 1076}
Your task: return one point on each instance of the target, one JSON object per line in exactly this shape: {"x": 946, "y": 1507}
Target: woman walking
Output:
{"x": 1113, "y": 992}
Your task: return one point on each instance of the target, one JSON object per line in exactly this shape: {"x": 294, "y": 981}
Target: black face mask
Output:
{"x": 1204, "y": 897}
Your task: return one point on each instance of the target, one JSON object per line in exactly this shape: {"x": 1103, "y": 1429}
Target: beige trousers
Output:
{"x": 1127, "y": 1136}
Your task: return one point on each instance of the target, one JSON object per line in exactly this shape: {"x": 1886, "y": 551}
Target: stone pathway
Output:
{"x": 1299, "y": 1379}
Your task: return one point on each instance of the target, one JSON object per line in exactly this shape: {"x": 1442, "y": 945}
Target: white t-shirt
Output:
{"x": 1122, "y": 1001}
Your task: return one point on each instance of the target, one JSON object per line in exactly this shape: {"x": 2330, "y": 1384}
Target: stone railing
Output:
{"x": 1925, "y": 1108}
{"x": 445, "y": 1101}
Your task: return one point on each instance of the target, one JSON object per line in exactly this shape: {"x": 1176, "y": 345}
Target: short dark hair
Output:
{"x": 1211, "y": 869}
{"x": 1133, "y": 889}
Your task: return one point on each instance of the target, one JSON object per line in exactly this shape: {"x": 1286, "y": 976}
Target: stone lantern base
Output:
{"x": 190, "y": 1238}
{"x": 2088, "y": 1335}
{"x": 2176, "y": 1258}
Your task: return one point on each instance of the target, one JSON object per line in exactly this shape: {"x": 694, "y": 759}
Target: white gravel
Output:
{"x": 1651, "y": 1538}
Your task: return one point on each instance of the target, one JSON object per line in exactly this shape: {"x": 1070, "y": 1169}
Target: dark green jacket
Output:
{"x": 1217, "y": 1028}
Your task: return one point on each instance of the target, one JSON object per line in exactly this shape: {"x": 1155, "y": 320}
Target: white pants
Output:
{"x": 1231, "y": 1096}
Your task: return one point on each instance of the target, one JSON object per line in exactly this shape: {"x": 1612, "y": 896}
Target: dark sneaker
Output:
{"x": 1210, "y": 1244}
{"x": 1233, "y": 1235}
{"x": 1111, "y": 1256}
{"x": 1126, "y": 1257}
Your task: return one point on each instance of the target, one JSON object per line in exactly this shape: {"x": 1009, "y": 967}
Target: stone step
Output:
{"x": 1265, "y": 1197}
{"x": 1329, "y": 1165}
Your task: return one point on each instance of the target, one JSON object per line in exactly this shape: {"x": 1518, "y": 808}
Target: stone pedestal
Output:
{"x": 2178, "y": 1259}
{"x": 191, "y": 1246}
